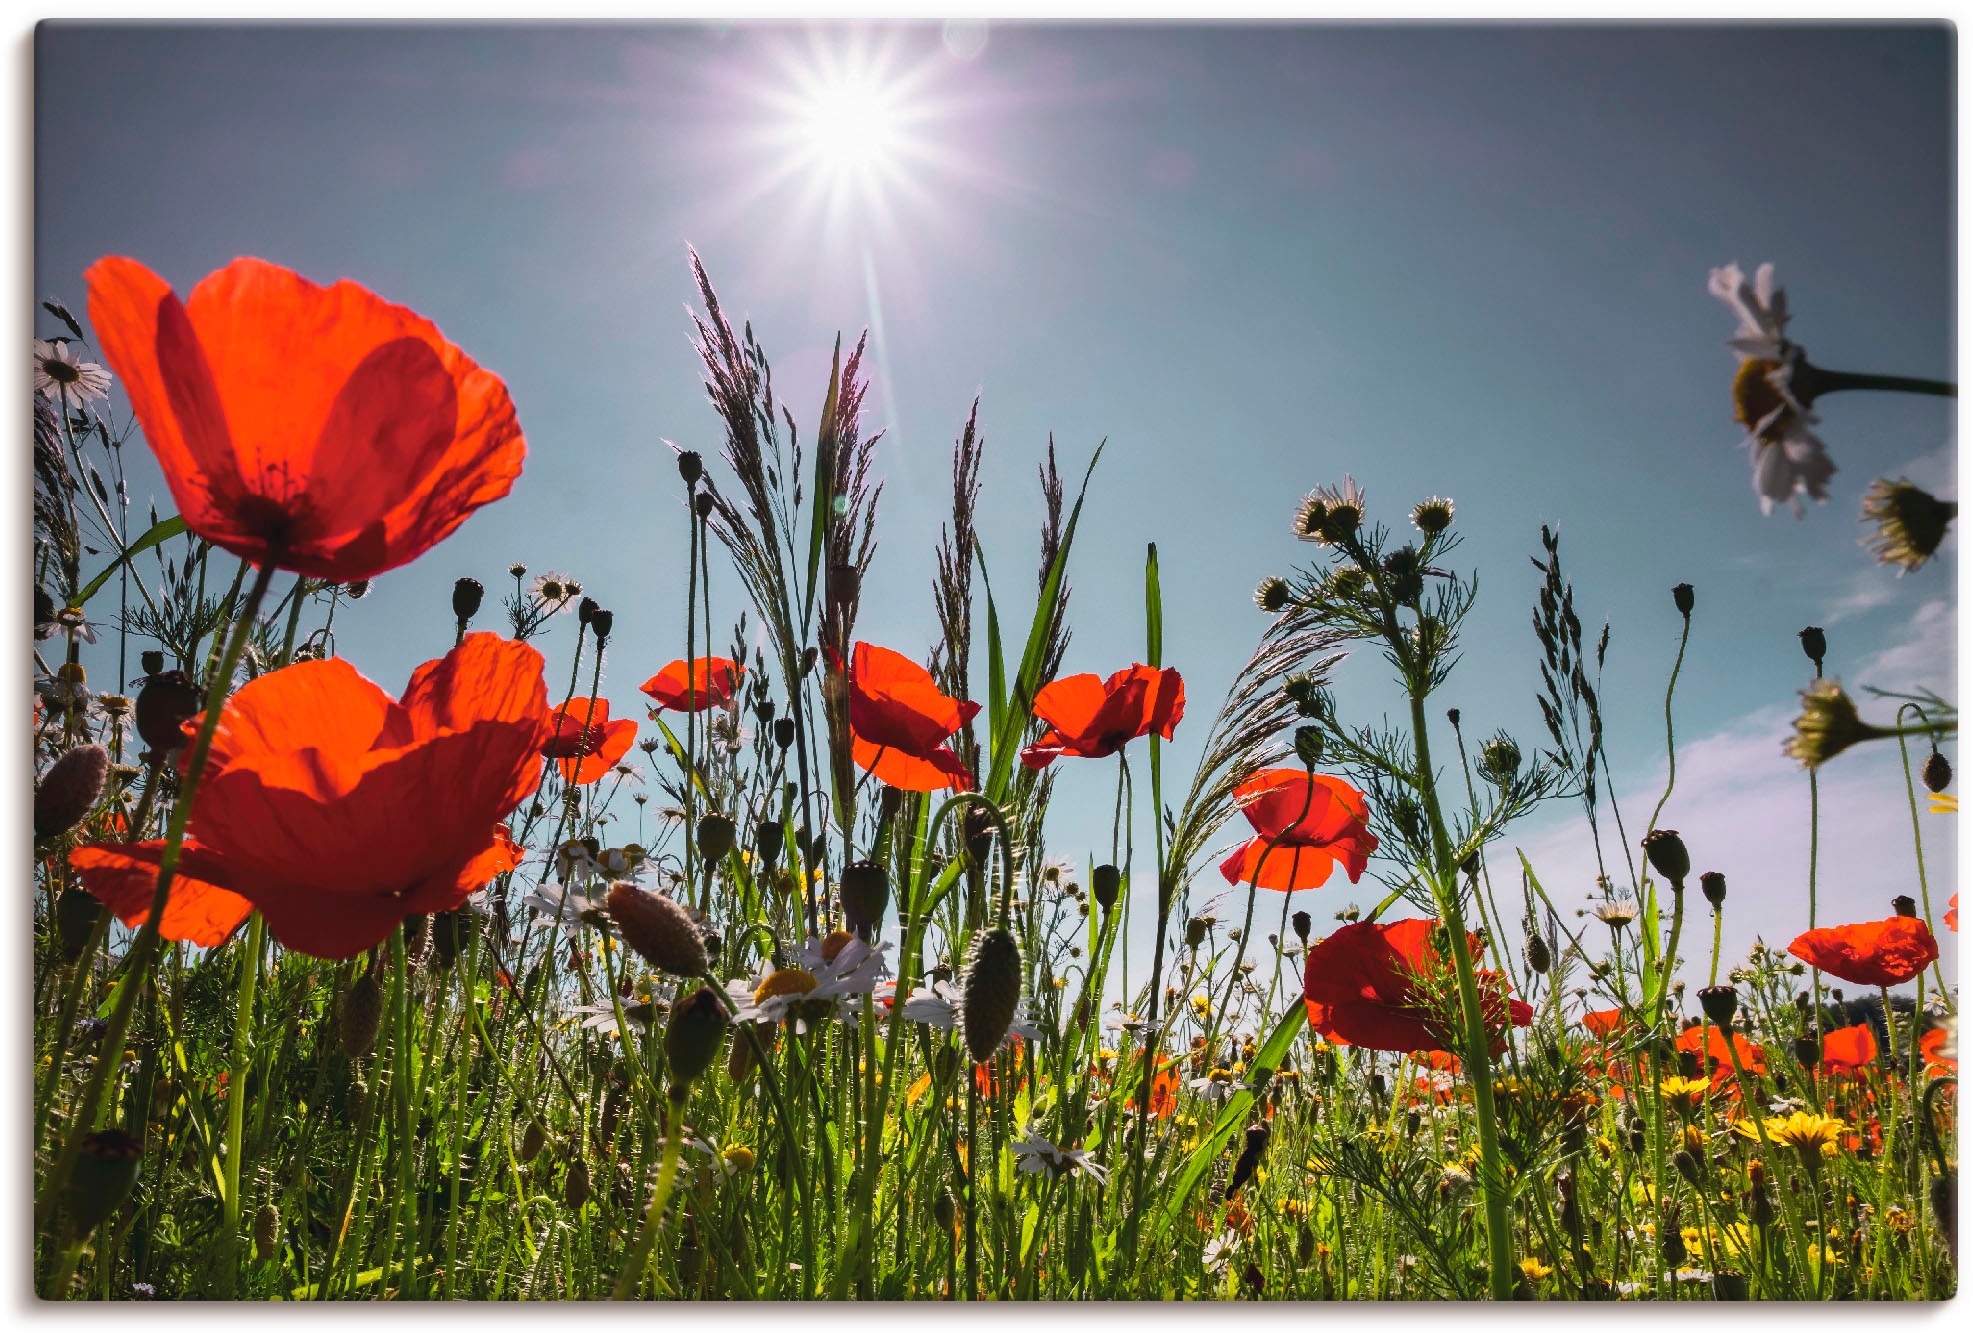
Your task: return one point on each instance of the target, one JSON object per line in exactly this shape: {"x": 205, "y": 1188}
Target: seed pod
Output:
{"x": 990, "y": 992}
{"x": 770, "y": 841}
{"x": 1807, "y": 1053}
{"x": 698, "y": 1025}
{"x": 602, "y": 623}
{"x": 715, "y": 837}
{"x": 945, "y": 1212}
{"x": 466, "y": 597}
{"x": 1937, "y": 773}
{"x": 1535, "y": 951}
{"x": 659, "y": 929}
{"x": 266, "y": 1231}
{"x": 362, "y": 1016}
{"x": 702, "y": 506}
{"x": 533, "y": 1139}
{"x": 76, "y": 914}
{"x": 167, "y": 702}
{"x": 1904, "y": 905}
{"x": 866, "y": 892}
{"x": 1301, "y": 922}
{"x": 690, "y": 466}
{"x": 1682, "y": 598}
{"x": 105, "y": 1172}
{"x": 1815, "y": 644}
{"x": 1104, "y": 884}
{"x": 70, "y": 790}
{"x": 784, "y": 732}
{"x": 1713, "y": 885}
{"x": 575, "y": 1183}
{"x": 1666, "y": 852}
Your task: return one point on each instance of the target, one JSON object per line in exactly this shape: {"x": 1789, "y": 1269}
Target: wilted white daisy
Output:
{"x": 59, "y": 374}
{"x": 556, "y": 591}
{"x": 1036, "y": 1155}
{"x": 1789, "y": 460}
{"x": 70, "y": 623}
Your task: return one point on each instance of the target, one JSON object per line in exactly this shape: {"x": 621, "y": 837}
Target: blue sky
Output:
{"x": 1457, "y": 261}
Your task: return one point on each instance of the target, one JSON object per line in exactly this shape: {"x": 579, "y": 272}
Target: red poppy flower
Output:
{"x": 713, "y": 681}
{"x": 584, "y": 742}
{"x": 1092, "y": 718}
{"x": 1932, "y": 1046}
{"x": 320, "y": 429}
{"x": 1384, "y": 987}
{"x": 1331, "y": 832}
{"x": 198, "y": 911}
{"x": 337, "y": 811}
{"x": 1869, "y": 953}
{"x": 1847, "y": 1050}
{"x": 1952, "y": 915}
{"x": 899, "y": 722}
{"x": 1719, "y": 1056}
{"x": 1604, "y": 1023}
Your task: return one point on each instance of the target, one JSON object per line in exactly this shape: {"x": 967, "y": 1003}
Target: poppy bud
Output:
{"x": 1815, "y": 645}
{"x": 692, "y": 1039}
{"x": 1904, "y": 905}
{"x": 1807, "y": 1053}
{"x": 266, "y": 1231}
{"x": 1377, "y": 1086}
{"x": 715, "y": 837}
{"x": 770, "y": 840}
{"x": 1469, "y": 865}
{"x": 977, "y": 828}
{"x": 533, "y": 1140}
{"x": 1636, "y": 1137}
{"x": 1713, "y": 885}
{"x": 1195, "y": 932}
{"x": 467, "y": 594}
{"x": 990, "y": 992}
{"x": 866, "y": 892}
{"x": 1937, "y": 773}
{"x": 1535, "y": 952}
{"x": 575, "y": 1184}
{"x": 70, "y": 790}
{"x": 1452, "y": 716}
{"x": 1666, "y": 852}
{"x": 1308, "y": 746}
{"x": 584, "y": 610}
{"x": 1720, "y": 1003}
{"x": 1729, "y": 1284}
{"x": 76, "y": 914}
{"x": 167, "y": 702}
{"x": 944, "y": 1211}
{"x": 601, "y": 623}
{"x": 1687, "y": 1166}
{"x": 1300, "y": 921}
{"x": 690, "y": 466}
{"x": 355, "y": 1099}
{"x": 659, "y": 929}
{"x": 1682, "y": 598}
{"x": 151, "y": 661}
{"x": 1104, "y": 884}
{"x": 363, "y": 1014}
{"x": 784, "y": 732}
{"x": 1760, "y": 1206}
{"x": 105, "y": 1172}
{"x": 703, "y": 505}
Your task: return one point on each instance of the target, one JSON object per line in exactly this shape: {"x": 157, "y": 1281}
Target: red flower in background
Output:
{"x": 1869, "y": 953}
{"x": 1386, "y": 988}
{"x": 1604, "y": 1023}
{"x": 1952, "y": 915}
{"x": 900, "y": 721}
{"x": 713, "y": 681}
{"x": 320, "y": 429}
{"x": 337, "y": 811}
{"x": 1718, "y": 1056}
{"x": 1932, "y": 1046}
{"x": 584, "y": 742}
{"x": 1092, "y": 719}
{"x": 1847, "y": 1050}
{"x": 1330, "y": 830}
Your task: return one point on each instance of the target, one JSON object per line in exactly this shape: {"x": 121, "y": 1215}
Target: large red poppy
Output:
{"x": 1719, "y": 1056}
{"x": 320, "y": 429}
{"x": 1330, "y": 833}
{"x": 583, "y": 742}
{"x": 713, "y": 680}
{"x": 1386, "y": 988}
{"x": 899, "y": 722}
{"x": 1870, "y": 953}
{"x": 1092, "y": 718}
{"x": 1847, "y": 1050}
{"x": 337, "y": 811}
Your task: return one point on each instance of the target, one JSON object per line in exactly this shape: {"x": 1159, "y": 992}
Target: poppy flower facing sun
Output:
{"x": 713, "y": 680}
{"x": 900, "y": 722}
{"x": 1384, "y": 987}
{"x": 1328, "y": 832}
{"x": 1870, "y": 953}
{"x": 584, "y": 743}
{"x": 338, "y": 811}
{"x": 1091, "y": 718}
{"x": 1847, "y": 1050}
{"x": 319, "y": 429}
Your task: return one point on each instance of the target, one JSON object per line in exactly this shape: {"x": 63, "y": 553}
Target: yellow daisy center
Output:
{"x": 1754, "y": 397}
{"x": 788, "y": 981}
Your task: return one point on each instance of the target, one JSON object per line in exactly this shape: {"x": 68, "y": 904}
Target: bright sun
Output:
{"x": 851, "y": 125}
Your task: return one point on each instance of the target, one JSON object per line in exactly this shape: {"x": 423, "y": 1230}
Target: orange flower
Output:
{"x": 713, "y": 681}
{"x": 1952, "y": 915}
{"x": 1093, "y": 719}
{"x": 1933, "y": 1046}
{"x": 1331, "y": 832}
{"x": 1604, "y": 1023}
{"x": 584, "y": 742}
{"x": 1869, "y": 953}
{"x": 337, "y": 811}
{"x": 1719, "y": 1056}
{"x": 899, "y": 722}
{"x": 1846, "y": 1050}
{"x": 1164, "y": 1089}
{"x": 319, "y": 429}
{"x": 1386, "y": 988}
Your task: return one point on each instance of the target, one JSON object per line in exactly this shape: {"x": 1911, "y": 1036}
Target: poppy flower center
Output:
{"x": 788, "y": 981}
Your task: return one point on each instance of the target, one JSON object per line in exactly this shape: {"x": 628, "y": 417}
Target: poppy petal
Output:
{"x": 199, "y": 910}
{"x": 937, "y": 770}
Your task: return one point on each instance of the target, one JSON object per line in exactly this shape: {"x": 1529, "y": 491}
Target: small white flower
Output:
{"x": 70, "y": 623}
{"x": 58, "y": 374}
{"x": 568, "y": 905}
{"x": 556, "y": 591}
{"x": 1762, "y": 309}
{"x": 1036, "y": 1155}
{"x": 1219, "y": 1250}
{"x": 813, "y": 987}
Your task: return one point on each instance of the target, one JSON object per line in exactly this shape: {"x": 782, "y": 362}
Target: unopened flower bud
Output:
{"x": 770, "y": 841}
{"x": 784, "y": 732}
{"x": 702, "y": 506}
{"x": 105, "y": 1172}
{"x": 362, "y": 1016}
{"x": 845, "y": 584}
{"x": 151, "y": 661}
{"x": 715, "y": 837}
{"x": 602, "y": 622}
{"x": 659, "y": 929}
{"x": 1719, "y": 1003}
{"x": 585, "y": 610}
{"x": 1300, "y": 921}
{"x": 467, "y": 594}
{"x": 866, "y": 892}
{"x": 1104, "y": 885}
{"x": 1815, "y": 644}
{"x": 990, "y": 992}
{"x": 692, "y": 1039}
{"x": 575, "y": 1184}
{"x": 1668, "y": 856}
{"x": 1937, "y": 773}
{"x": 1682, "y": 598}
{"x": 266, "y": 1231}
{"x": 1535, "y": 951}
{"x": 167, "y": 702}
{"x": 70, "y": 790}
{"x": 1195, "y": 932}
{"x": 1713, "y": 885}
{"x": 533, "y": 1139}
{"x": 1807, "y": 1053}
{"x": 690, "y": 466}
{"x": 76, "y": 915}
{"x": 1308, "y": 745}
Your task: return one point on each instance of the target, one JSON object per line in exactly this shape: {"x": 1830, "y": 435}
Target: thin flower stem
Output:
{"x": 647, "y": 1234}
{"x": 236, "y": 1104}
{"x": 1836, "y": 381}
{"x": 1918, "y": 844}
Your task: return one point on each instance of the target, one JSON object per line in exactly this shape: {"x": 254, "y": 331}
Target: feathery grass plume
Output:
{"x": 952, "y": 582}
{"x": 1910, "y": 522}
{"x": 69, "y": 790}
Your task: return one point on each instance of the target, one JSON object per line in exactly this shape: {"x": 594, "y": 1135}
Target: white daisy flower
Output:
{"x": 1220, "y": 1250}
{"x": 1216, "y": 1085}
{"x": 558, "y": 591}
{"x": 812, "y": 988}
{"x": 70, "y": 623}
{"x": 1789, "y": 460}
{"x": 1036, "y": 1155}
{"x": 59, "y": 374}
{"x": 568, "y": 905}
{"x": 602, "y": 1016}
{"x": 1762, "y": 309}
{"x": 938, "y": 1007}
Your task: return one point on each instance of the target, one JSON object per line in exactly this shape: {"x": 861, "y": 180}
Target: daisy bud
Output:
{"x": 1402, "y": 574}
{"x": 533, "y": 1139}
{"x": 1910, "y": 522}
{"x": 151, "y": 661}
{"x": 1905, "y": 905}
{"x": 76, "y": 914}
{"x": 1432, "y": 516}
{"x": 105, "y": 1172}
{"x": 167, "y": 702}
{"x": 691, "y": 467}
{"x": 866, "y": 892}
{"x": 659, "y": 929}
{"x": 1713, "y": 885}
{"x": 1104, "y": 884}
{"x": 362, "y": 1016}
{"x": 784, "y": 732}
{"x": 517, "y": 571}
{"x": 1719, "y": 1003}
{"x": 1682, "y": 598}
{"x": 70, "y": 790}
{"x": 466, "y": 597}
{"x": 991, "y": 992}
{"x": 1665, "y": 850}
{"x": 715, "y": 836}
{"x": 703, "y": 505}
{"x": 1815, "y": 645}
{"x": 601, "y": 623}
{"x": 1937, "y": 773}
{"x": 575, "y": 1184}
{"x": 1272, "y": 594}
{"x": 266, "y": 1231}
{"x": 692, "y": 1039}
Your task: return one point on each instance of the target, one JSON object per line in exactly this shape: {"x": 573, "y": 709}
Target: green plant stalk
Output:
{"x": 144, "y": 950}
{"x": 647, "y": 1234}
{"x": 71, "y": 1001}
{"x": 1918, "y": 847}
{"x": 1648, "y": 907}
{"x": 236, "y": 1104}
{"x": 407, "y": 1147}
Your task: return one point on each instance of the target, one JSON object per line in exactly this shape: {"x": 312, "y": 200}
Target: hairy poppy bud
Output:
{"x": 602, "y": 622}
{"x": 585, "y": 610}
{"x": 363, "y": 1014}
{"x": 1104, "y": 884}
{"x": 866, "y": 892}
{"x": 659, "y": 929}
{"x": 266, "y": 1231}
{"x": 76, "y": 914}
{"x": 1682, "y": 598}
{"x": 1713, "y": 885}
{"x": 105, "y": 1172}
{"x": 770, "y": 840}
{"x": 693, "y": 1037}
{"x": 1666, "y": 852}
{"x": 1720, "y": 1003}
{"x": 151, "y": 661}
{"x": 167, "y": 702}
{"x": 784, "y": 732}
{"x": 990, "y": 992}
{"x": 715, "y": 836}
{"x": 1308, "y": 745}
{"x": 575, "y": 1184}
{"x": 690, "y": 466}
{"x": 1535, "y": 952}
{"x": 1815, "y": 644}
{"x": 977, "y": 829}
{"x": 703, "y": 505}
{"x": 1937, "y": 773}
{"x": 1729, "y": 1284}
{"x": 1300, "y": 921}
{"x": 467, "y": 594}
{"x": 533, "y": 1139}
{"x": 70, "y": 790}
{"x": 1807, "y": 1053}
{"x": 1904, "y": 905}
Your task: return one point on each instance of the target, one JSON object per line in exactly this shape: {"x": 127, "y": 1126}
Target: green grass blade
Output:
{"x": 161, "y": 531}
